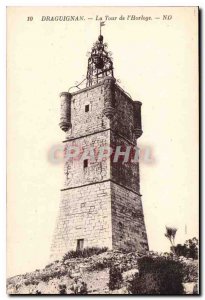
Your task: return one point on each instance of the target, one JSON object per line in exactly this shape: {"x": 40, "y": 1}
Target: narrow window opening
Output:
{"x": 80, "y": 244}
{"x": 85, "y": 163}
{"x": 87, "y": 108}
{"x": 121, "y": 231}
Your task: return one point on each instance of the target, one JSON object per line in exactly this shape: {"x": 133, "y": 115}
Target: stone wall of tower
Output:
{"x": 75, "y": 173}
{"x": 85, "y": 207}
{"x": 101, "y": 203}
{"x": 84, "y": 213}
{"x": 92, "y": 121}
{"x": 126, "y": 174}
{"x": 123, "y": 120}
{"x": 128, "y": 227}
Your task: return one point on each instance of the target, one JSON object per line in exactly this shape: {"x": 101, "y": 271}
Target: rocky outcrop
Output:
{"x": 88, "y": 275}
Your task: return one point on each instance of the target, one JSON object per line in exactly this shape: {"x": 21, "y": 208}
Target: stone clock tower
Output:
{"x": 100, "y": 200}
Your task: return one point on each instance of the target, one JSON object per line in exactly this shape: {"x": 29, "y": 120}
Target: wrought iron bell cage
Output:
{"x": 100, "y": 63}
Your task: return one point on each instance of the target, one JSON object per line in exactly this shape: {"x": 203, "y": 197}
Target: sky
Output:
{"x": 155, "y": 61}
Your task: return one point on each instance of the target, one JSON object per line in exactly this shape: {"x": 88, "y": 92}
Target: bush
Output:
{"x": 48, "y": 266}
{"x": 62, "y": 289}
{"x": 98, "y": 266}
{"x": 79, "y": 287}
{"x": 115, "y": 278}
{"x": 188, "y": 250}
{"x": 146, "y": 284}
{"x": 38, "y": 292}
{"x": 190, "y": 270}
{"x": 87, "y": 252}
{"x": 158, "y": 276}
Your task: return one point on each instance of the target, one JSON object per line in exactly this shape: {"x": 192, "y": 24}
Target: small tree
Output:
{"x": 170, "y": 234}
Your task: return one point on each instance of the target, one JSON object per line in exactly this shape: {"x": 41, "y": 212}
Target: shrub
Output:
{"x": 98, "y": 266}
{"x": 146, "y": 284}
{"x": 62, "y": 289}
{"x": 38, "y": 292}
{"x": 27, "y": 283}
{"x": 87, "y": 252}
{"x": 190, "y": 270}
{"x": 48, "y": 266}
{"x": 158, "y": 276}
{"x": 189, "y": 249}
{"x": 79, "y": 287}
{"x": 45, "y": 278}
{"x": 84, "y": 289}
{"x": 115, "y": 279}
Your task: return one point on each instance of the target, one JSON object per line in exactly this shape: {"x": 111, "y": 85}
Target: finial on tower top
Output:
{"x": 100, "y": 62}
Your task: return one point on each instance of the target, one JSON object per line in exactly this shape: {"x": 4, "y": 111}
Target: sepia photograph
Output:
{"x": 103, "y": 150}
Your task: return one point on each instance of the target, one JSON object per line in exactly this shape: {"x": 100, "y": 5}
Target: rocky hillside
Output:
{"x": 90, "y": 275}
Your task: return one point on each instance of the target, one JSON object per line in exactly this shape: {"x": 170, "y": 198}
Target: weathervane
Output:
{"x": 100, "y": 62}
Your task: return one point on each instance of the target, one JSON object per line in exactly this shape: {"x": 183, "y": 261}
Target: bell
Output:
{"x": 98, "y": 61}
{"x": 100, "y": 38}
